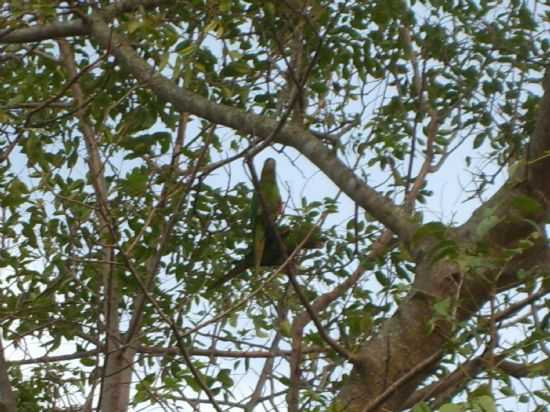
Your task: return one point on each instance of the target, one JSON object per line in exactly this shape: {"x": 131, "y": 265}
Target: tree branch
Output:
{"x": 108, "y": 235}
{"x": 380, "y": 207}
{"x": 539, "y": 149}
{"x": 74, "y": 27}
{"x": 7, "y": 397}
{"x": 57, "y": 358}
{"x": 447, "y": 387}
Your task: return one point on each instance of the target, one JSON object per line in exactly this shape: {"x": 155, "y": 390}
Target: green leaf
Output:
{"x": 452, "y": 407}
{"x": 443, "y": 307}
{"x": 444, "y": 249}
{"x": 224, "y": 376}
{"x": 88, "y": 361}
{"x": 285, "y": 328}
{"x": 28, "y": 231}
{"x": 135, "y": 183}
{"x": 430, "y": 229}
{"x": 16, "y": 194}
{"x": 484, "y": 403}
{"x": 545, "y": 396}
{"x": 421, "y": 407}
{"x": 382, "y": 278}
{"x": 527, "y": 206}
{"x": 133, "y": 25}
{"x": 488, "y": 222}
{"x": 33, "y": 149}
{"x": 235, "y": 69}
{"x": 479, "y": 139}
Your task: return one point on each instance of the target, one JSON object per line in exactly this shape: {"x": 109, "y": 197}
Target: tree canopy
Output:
{"x": 132, "y": 134}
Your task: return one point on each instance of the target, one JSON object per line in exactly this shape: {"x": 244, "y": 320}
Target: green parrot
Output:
{"x": 273, "y": 255}
{"x": 272, "y": 200}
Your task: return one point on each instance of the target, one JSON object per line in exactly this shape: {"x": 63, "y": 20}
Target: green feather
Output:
{"x": 272, "y": 199}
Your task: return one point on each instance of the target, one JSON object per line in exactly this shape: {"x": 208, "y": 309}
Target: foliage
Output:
{"x": 389, "y": 87}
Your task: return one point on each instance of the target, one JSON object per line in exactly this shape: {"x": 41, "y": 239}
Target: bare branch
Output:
{"x": 58, "y": 358}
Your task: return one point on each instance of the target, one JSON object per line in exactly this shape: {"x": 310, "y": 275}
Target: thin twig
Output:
{"x": 291, "y": 271}
{"x": 175, "y": 330}
{"x": 402, "y": 381}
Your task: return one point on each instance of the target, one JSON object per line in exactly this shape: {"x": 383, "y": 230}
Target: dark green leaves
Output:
{"x": 146, "y": 144}
{"x": 135, "y": 183}
{"x": 527, "y": 206}
{"x": 16, "y": 194}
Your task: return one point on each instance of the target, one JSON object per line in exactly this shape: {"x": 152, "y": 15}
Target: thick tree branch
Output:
{"x": 375, "y": 403}
{"x": 523, "y": 370}
{"x": 532, "y": 179}
{"x": 449, "y": 386}
{"x": 43, "y": 32}
{"x": 539, "y": 149}
{"x": 404, "y": 341}
{"x": 381, "y": 208}
{"x": 59, "y": 30}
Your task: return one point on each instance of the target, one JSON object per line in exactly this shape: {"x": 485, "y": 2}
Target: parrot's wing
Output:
{"x": 259, "y": 243}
